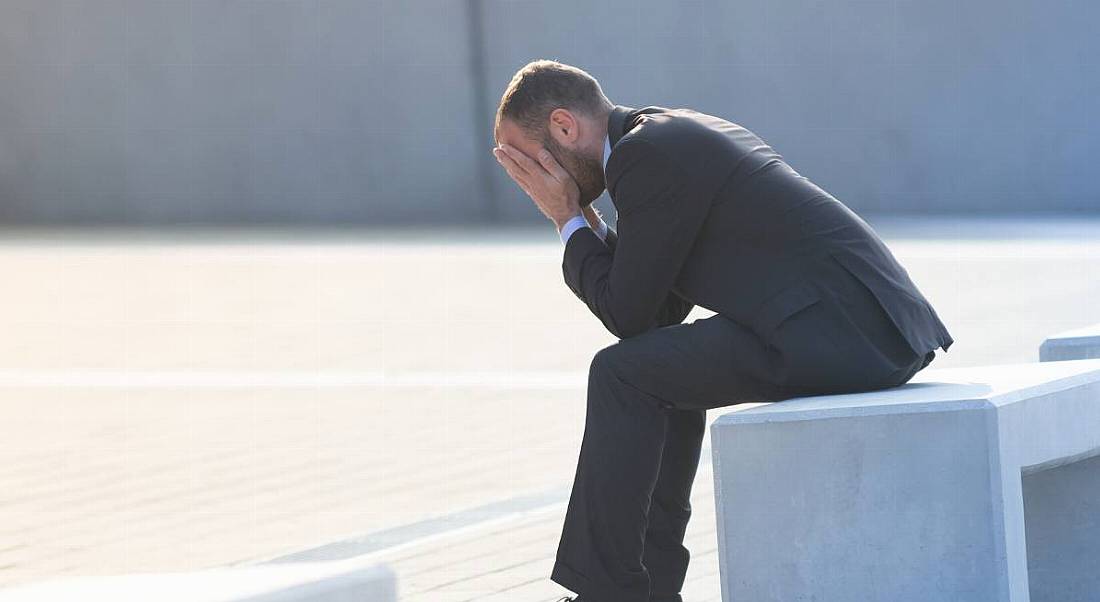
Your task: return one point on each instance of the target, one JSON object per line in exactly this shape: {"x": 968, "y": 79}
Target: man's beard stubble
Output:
{"x": 586, "y": 172}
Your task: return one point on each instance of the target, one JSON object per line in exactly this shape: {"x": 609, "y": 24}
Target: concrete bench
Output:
{"x": 1080, "y": 344}
{"x": 302, "y": 582}
{"x": 968, "y": 485}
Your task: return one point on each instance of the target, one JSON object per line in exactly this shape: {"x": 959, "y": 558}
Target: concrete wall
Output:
{"x": 236, "y": 110}
{"x": 354, "y": 111}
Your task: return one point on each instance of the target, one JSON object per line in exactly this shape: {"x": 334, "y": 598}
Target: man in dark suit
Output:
{"x": 808, "y": 300}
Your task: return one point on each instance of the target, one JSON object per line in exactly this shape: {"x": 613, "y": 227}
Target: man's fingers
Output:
{"x": 546, "y": 165}
{"x": 552, "y": 166}
{"x": 518, "y": 176}
{"x": 529, "y": 165}
{"x": 514, "y": 170}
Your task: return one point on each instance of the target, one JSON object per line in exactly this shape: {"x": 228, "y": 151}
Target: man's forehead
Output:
{"x": 508, "y": 132}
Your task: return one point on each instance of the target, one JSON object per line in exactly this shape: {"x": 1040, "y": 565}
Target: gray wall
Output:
{"x": 359, "y": 111}
{"x": 236, "y": 110}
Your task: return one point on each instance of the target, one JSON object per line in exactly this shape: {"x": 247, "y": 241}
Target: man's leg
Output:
{"x": 665, "y": 556}
{"x": 634, "y": 387}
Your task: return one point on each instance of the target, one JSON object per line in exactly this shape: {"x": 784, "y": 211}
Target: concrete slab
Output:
{"x": 916, "y": 493}
{"x": 1078, "y": 344}
{"x": 305, "y": 582}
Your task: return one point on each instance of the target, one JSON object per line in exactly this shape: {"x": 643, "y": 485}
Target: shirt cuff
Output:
{"x": 575, "y": 223}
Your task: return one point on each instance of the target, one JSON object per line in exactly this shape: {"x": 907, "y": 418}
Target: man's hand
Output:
{"x": 545, "y": 181}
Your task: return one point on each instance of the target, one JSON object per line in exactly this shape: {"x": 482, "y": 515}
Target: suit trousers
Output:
{"x": 623, "y": 536}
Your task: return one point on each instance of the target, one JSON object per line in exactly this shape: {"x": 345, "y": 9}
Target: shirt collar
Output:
{"x": 606, "y": 151}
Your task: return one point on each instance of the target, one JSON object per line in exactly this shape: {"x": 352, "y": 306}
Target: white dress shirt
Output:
{"x": 577, "y": 222}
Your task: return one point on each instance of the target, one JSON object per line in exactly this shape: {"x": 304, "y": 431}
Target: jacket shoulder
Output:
{"x": 650, "y": 142}
{"x": 639, "y": 172}
{"x": 663, "y": 127}
{"x": 703, "y": 149}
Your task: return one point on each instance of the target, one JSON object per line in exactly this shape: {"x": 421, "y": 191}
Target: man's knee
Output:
{"x": 612, "y": 367}
{"x": 620, "y": 366}
{"x": 607, "y": 363}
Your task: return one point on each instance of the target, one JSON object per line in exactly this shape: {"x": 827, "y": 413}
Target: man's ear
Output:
{"x": 563, "y": 127}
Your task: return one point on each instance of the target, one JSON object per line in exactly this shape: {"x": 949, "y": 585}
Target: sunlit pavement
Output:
{"x": 186, "y": 399}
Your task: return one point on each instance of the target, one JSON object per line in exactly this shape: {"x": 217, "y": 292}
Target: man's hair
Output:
{"x": 542, "y": 86}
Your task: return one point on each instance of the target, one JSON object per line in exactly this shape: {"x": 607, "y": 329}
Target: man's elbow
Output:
{"x": 625, "y": 326}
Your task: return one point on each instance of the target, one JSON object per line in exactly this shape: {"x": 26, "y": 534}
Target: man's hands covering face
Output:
{"x": 544, "y": 180}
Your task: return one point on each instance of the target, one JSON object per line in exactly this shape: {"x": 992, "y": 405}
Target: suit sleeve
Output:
{"x": 627, "y": 281}
{"x": 675, "y": 307}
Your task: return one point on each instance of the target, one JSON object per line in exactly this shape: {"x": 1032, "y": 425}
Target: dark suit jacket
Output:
{"x": 710, "y": 215}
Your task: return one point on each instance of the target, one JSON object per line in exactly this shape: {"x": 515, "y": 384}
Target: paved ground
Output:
{"x": 187, "y": 400}
{"x": 511, "y": 561}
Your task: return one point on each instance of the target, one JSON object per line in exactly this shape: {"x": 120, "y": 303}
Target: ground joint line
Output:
{"x": 503, "y": 379}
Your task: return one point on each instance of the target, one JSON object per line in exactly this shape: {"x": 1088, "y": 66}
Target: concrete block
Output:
{"x": 304, "y": 582}
{"x": 31, "y": 32}
{"x": 155, "y": 34}
{"x": 95, "y": 32}
{"x": 161, "y": 97}
{"x": 918, "y": 493}
{"x": 1080, "y": 344}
